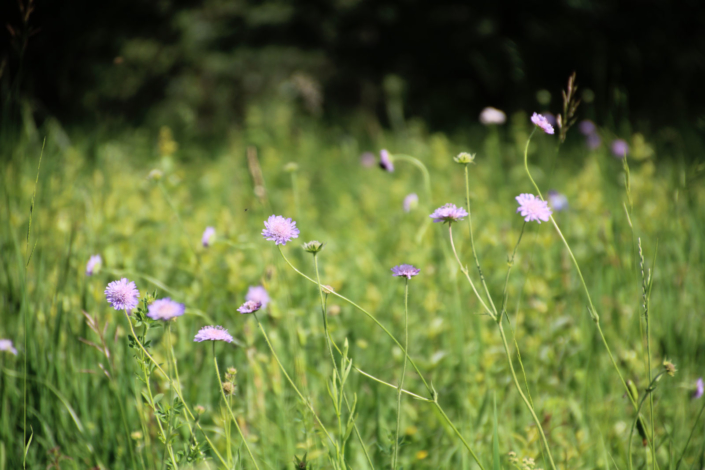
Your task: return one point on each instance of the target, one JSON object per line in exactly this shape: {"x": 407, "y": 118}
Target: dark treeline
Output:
{"x": 197, "y": 65}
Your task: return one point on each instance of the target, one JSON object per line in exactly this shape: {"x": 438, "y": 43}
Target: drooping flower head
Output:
{"x": 279, "y": 230}
{"x": 122, "y": 294}
{"x": 490, "y": 116}
{"x": 368, "y": 159}
{"x": 208, "y": 237}
{"x": 93, "y": 265}
{"x": 405, "y": 270}
{"x": 258, "y": 294}
{"x": 213, "y": 333}
{"x": 165, "y": 309}
{"x": 410, "y": 202}
{"x": 619, "y": 148}
{"x": 557, "y": 201}
{"x": 448, "y": 213}
{"x": 587, "y": 127}
{"x": 542, "y": 122}
{"x": 699, "y": 388}
{"x": 6, "y": 345}
{"x": 250, "y": 306}
{"x": 533, "y": 208}
{"x": 385, "y": 161}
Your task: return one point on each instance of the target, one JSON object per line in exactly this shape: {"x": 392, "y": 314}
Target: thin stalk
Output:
{"x": 230, "y": 410}
{"x": 464, "y": 269}
{"x": 649, "y": 390}
{"x": 395, "y": 457}
{"x": 178, "y": 391}
{"x": 648, "y": 350}
{"x": 424, "y": 171}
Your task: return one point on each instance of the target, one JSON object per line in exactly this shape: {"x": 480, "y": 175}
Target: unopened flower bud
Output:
{"x": 669, "y": 367}
{"x": 465, "y": 158}
{"x": 155, "y": 175}
{"x": 291, "y": 167}
{"x": 229, "y": 388}
{"x": 314, "y": 246}
{"x": 199, "y": 409}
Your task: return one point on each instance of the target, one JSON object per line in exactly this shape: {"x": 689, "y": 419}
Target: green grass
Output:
{"x": 94, "y": 196}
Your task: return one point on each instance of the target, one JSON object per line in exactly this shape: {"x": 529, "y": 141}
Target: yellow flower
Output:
{"x": 422, "y": 454}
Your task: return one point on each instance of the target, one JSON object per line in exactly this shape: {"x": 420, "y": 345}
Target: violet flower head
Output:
{"x": 213, "y": 333}
{"x": 385, "y": 161}
{"x": 542, "y": 122}
{"x": 6, "y": 345}
{"x": 587, "y": 127}
{"x": 250, "y": 306}
{"x": 699, "y": 389}
{"x": 490, "y": 116}
{"x": 557, "y": 201}
{"x": 533, "y": 208}
{"x": 165, "y": 309}
{"x": 410, "y": 202}
{"x": 368, "y": 159}
{"x": 619, "y": 148}
{"x": 122, "y": 294}
{"x": 593, "y": 141}
{"x": 208, "y": 237}
{"x": 279, "y": 230}
{"x": 405, "y": 270}
{"x": 93, "y": 265}
{"x": 258, "y": 294}
{"x": 448, "y": 213}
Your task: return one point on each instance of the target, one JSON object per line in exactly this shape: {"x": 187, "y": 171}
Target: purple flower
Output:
{"x": 490, "y": 116}
{"x": 587, "y": 128}
{"x": 405, "y": 270}
{"x": 448, "y": 213}
{"x": 250, "y": 307}
{"x": 593, "y": 141}
{"x": 213, "y": 333}
{"x": 619, "y": 148}
{"x": 542, "y": 122}
{"x": 165, "y": 309}
{"x": 533, "y": 208}
{"x": 410, "y": 202}
{"x": 122, "y": 294}
{"x": 368, "y": 159}
{"x": 699, "y": 388}
{"x": 557, "y": 201}
{"x": 93, "y": 265}
{"x": 385, "y": 161}
{"x": 6, "y": 345}
{"x": 280, "y": 230}
{"x": 208, "y": 236}
{"x": 258, "y": 294}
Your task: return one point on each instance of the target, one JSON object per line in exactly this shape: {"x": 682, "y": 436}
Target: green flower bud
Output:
{"x": 465, "y": 158}
{"x": 314, "y": 246}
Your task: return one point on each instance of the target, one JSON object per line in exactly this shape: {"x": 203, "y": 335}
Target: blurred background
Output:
{"x": 196, "y": 66}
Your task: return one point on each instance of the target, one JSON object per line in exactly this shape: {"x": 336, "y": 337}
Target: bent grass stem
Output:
{"x": 395, "y": 457}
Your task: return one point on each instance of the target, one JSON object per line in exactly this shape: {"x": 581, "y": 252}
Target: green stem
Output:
{"x": 230, "y": 410}
{"x": 395, "y": 457}
{"x": 424, "y": 171}
{"x": 649, "y": 390}
{"x": 464, "y": 270}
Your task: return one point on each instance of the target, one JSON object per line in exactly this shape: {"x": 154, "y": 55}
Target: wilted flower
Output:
{"x": 368, "y": 159}
{"x": 314, "y": 246}
{"x": 542, "y": 122}
{"x": 6, "y": 345}
{"x": 491, "y": 115}
{"x": 93, "y": 265}
{"x": 410, "y": 202}
{"x": 619, "y": 148}
{"x": 258, "y": 294}
{"x": 557, "y": 201}
{"x": 465, "y": 158}
{"x": 699, "y": 387}
{"x": 533, "y": 208}
{"x": 122, "y": 294}
{"x": 213, "y": 333}
{"x": 165, "y": 309}
{"x": 250, "y": 306}
{"x": 279, "y": 230}
{"x": 448, "y": 213}
{"x": 385, "y": 161}
{"x": 208, "y": 236}
{"x": 405, "y": 270}
{"x": 587, "y": 127}
{"x": 229, "y": 388}
{"x": 593, "y": 141}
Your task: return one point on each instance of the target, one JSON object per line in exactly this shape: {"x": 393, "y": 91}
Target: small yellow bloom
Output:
{"x": 422, "y": 454}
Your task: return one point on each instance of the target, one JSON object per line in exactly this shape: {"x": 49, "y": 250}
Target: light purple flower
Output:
{"x": 368, "y": 159}
{"x": 550, "y": 118}
{"x": 448, "y": 213}
{"x": 250, "y": 307}
{"x": 410, "y": 202}
{"x": 557, "y": 201}
{"x": 385, "y": 161}
{"x": 587, "y": 127}
{"x": 93, "y": 265}
{"x": 533, "y": 208}
{"x": 593, "y": 141}
{"x": 490, "y": 116}
{"x": 405, "y": 270}
{"x": 122, "y": 294}
{"x": 280, "y": 230}
{"x": 258, "y": 294}
{"x": 699, "y": 388}
{"x": 213, "y": 333}
{"x": 6, "y": 345}
{"x": 208, "y": 236}
{"x": 165, "y": 309}
{"x": 542, "y": 122}
{"x": 619, "y": 148}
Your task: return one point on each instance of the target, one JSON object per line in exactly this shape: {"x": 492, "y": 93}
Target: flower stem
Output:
{"x": 395, "y": 457}
{"x": 464, "y": 269}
